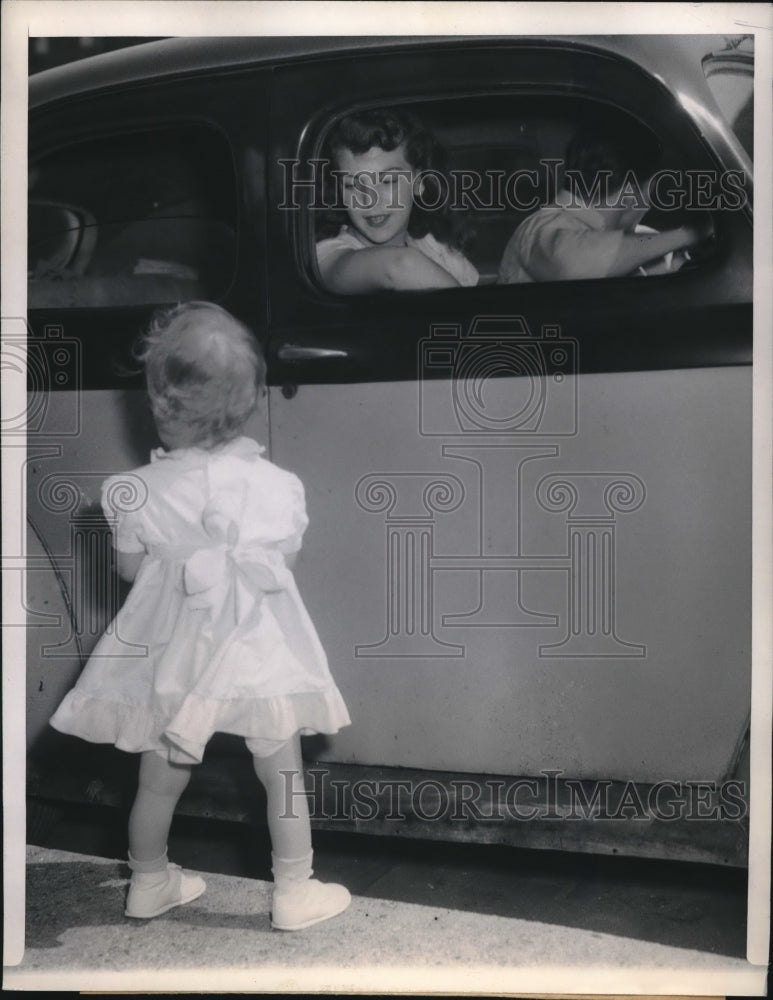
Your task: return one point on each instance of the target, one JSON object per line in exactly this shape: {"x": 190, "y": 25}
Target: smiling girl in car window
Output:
{"x": 386, "y": 162}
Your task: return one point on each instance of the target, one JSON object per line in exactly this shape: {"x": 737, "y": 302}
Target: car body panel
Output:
{"x": 490, "y": 692}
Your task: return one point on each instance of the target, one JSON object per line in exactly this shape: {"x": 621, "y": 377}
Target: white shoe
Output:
{"x": 300, "y": 904}
{"x": 153, "y": 893}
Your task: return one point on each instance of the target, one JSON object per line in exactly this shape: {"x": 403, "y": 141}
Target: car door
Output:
{"x": 529, "y": 546}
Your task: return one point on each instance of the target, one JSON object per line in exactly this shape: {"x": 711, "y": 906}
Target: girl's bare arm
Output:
{"x": 383, "y": 268}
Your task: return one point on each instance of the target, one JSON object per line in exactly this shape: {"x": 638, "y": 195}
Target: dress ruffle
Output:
{"x": 136, "y": 728}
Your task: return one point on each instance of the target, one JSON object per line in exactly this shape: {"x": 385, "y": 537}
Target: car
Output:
{"x": 530, "y": 505}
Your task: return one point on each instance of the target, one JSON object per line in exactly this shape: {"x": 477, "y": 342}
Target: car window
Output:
{"x": 730, "y": 76}
{"x": 132, "y": 219}
{"x": 495, "y": 162}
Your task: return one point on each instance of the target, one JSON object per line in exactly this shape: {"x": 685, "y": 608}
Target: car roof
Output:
{"x": 674, "y": 59}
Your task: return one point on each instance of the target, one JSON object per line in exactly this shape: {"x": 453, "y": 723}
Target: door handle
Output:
{"x": 294, "y": 352}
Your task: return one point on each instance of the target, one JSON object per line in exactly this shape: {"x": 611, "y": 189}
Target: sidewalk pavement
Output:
{"x": 77, "y": 938}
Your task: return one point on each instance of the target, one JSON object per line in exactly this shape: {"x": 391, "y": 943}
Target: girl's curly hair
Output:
{"x": 388, "y": 128}
{"x": 204, "y": 371}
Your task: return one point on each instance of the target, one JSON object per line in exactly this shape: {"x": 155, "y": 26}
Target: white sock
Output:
{"x": 149, "y": 872}
{"x": 287, "y": 871}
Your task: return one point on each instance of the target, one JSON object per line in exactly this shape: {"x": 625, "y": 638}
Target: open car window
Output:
{"x": 500, "y": 160}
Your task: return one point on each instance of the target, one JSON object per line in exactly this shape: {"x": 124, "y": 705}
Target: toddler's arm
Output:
{"x": 383, "y": 268}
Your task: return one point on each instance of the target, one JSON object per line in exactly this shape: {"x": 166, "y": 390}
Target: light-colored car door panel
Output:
{"x": 513, "y": 603}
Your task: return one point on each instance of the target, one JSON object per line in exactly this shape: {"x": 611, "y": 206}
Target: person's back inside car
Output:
{"x": 592, "y": 228}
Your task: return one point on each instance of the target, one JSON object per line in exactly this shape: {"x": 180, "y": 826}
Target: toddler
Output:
{"x": 229, "y": 645}
{"x": 592, "y": 229}
{"x": 389, "y": 241}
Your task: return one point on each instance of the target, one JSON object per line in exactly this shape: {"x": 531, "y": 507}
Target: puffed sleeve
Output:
{"x": 123, "y": 501}
{"x": 298, "y": 519}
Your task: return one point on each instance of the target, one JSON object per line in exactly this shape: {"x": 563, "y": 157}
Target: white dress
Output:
{"x": 225, "y": 643}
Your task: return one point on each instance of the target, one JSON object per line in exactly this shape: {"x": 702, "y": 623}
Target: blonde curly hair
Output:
{"x": 204, "y": 372}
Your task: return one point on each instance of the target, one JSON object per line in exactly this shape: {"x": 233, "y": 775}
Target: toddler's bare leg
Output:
{"x": 281, "y": 775}
{"x": 161, "y": 784}
{"x": 156, "y": 885}
{"x": 298, "y": 900}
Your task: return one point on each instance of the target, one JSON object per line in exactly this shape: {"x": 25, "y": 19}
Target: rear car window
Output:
{"x": 132, "y": 219}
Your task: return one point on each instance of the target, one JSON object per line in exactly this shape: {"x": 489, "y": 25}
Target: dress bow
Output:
{"x": 210, "y": 573}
